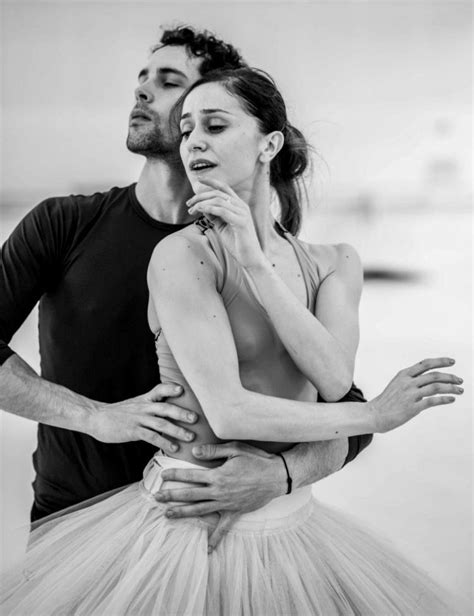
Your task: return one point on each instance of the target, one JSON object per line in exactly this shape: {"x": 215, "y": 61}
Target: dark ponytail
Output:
{"x": 261, "y": 98}
{"x": 286, "y": 171}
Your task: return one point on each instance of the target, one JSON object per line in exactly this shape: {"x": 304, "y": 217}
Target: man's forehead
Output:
{"x": 175, "y": 57}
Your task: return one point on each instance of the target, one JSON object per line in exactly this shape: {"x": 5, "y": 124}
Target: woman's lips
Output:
{"x": 201, "y": 165}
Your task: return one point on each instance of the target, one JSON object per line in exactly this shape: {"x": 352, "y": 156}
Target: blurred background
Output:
{"x": 383, "y": 92}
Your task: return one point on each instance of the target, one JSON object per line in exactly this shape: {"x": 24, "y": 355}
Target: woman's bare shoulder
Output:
{"x": 188, "y": 241}
{"x": 333, "y": 257}
{"x": 183, "y": 253}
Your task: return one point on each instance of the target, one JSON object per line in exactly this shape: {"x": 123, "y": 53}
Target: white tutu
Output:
{"x": 292, "y": 557}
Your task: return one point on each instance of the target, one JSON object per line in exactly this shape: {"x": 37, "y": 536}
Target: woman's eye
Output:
{"x": 215, "y": 128}
{"x": 169, "y": 84}
{"x": 185, "y": 134}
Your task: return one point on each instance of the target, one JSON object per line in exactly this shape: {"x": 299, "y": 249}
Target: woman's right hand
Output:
{"x": 413, "y": 390}
{"x": 236, "y": 228}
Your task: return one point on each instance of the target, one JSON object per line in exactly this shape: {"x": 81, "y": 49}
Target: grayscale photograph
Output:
{"x": 236, "y": 308}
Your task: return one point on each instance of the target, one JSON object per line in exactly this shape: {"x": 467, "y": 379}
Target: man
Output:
{"x": 85, "y": 259}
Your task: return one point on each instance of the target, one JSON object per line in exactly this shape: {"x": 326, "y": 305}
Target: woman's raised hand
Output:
{"x": 413, "y": 390}
{"x": 236, "y": 229}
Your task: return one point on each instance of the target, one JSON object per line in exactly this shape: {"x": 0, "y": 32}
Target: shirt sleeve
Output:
{"x": 30, "y": 263}
{"x": 360, "y": 442}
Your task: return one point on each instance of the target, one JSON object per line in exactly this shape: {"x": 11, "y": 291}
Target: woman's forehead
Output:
{"x": 211, "y": 96}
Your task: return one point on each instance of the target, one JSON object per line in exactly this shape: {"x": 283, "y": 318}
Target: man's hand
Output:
{"x": 144, "y": 418}
{"x": 248, "y": 480}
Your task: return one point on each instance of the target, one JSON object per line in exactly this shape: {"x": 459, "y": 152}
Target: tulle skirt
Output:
{"x": 294, "y": 556}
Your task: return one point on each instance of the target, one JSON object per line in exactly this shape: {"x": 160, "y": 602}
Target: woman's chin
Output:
{"x": 198, "y": 181}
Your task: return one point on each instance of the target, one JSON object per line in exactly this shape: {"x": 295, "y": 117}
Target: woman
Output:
{"x": 240, "y": 303}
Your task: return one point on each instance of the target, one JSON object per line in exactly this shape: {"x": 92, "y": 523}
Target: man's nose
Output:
{"x": 143, "y": 93}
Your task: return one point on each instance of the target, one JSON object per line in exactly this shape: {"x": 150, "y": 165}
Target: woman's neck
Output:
{"x": 259, "y": 198}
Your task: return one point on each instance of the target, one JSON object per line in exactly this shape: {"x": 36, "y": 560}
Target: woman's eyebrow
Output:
{"x": 206, "y": 112}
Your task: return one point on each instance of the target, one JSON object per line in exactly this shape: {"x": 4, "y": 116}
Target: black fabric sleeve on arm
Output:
{"x": 30, "y": 262}
{"x": 360, "y": 442}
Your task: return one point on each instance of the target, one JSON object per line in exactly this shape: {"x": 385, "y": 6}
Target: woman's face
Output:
{"x": 219, "y": 139}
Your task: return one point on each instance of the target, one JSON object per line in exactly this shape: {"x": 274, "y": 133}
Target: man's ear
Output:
{"x": 272, "y": 144}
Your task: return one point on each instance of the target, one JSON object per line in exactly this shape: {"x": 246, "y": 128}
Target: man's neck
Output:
{"x": 162, "y": 190}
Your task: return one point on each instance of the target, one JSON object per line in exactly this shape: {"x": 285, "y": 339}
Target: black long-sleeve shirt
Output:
{"x": 84, "y": 258}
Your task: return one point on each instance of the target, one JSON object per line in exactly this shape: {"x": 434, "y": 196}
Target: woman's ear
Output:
{"x": 271, "y": 145}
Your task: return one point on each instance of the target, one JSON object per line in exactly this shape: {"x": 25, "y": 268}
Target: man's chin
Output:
{"x": 150, "y": 150}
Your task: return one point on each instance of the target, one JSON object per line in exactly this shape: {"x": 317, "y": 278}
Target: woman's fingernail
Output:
{"x": 170, "y": 514}
{"x": 197, "y": 451}
{"x": 192, "y": 416}
{"x": 173, "y": 447}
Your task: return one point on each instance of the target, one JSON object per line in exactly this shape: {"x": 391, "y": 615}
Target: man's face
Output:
{"x": 160, "y": 83}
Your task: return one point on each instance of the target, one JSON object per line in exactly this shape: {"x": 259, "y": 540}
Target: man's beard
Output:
{"x": 150, "y": 140}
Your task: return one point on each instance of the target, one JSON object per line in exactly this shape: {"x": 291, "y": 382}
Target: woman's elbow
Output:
{"x": 337, "y": 389}
{"x": 224, "y": 419}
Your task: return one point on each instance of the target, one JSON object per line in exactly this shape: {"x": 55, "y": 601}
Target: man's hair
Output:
{"x": 215, "y": 53}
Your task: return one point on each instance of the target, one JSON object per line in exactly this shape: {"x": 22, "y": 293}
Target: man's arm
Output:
{"x": 358, "y": 443}
{"x": 24, "y": 393}
{"x": 250, "y": 477}
{"x": 31, "y": 262}
{"x": 310, "y": 462}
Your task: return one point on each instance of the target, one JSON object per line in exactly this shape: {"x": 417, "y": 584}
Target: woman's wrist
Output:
{"x": 369, "y": 416}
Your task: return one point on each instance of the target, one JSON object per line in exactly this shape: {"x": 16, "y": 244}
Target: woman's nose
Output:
{"x": 196, "y": 141}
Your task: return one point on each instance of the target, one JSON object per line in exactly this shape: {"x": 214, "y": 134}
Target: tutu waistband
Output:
{"x": 282, "y": 511}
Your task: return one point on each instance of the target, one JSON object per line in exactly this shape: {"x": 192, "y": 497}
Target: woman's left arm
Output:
{"x": 323, "y": 345}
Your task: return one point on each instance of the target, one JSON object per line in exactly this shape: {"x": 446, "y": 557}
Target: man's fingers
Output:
{"x": 437, "y": 377}
{"x": 191, "y": 511}
{"x": 429, "y": 364}
{"x": 226, "y": 520}
{"x": 183, "y": 495}
{"x": 440, "y": 388}
{"x": 158, "y": 441}
{"x": 426, "y": 403}
{"x": 162, "y": 426}
{"x": 162, "y": 391}
{"x": 187, "y": 475}
{"x": 226, "y": 450}
{"x": 171, "y": 411}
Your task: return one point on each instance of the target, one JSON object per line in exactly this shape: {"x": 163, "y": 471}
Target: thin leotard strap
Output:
{"x": 207, "y": 228}
{"x": 309, "y": 269}
{"x": 230, "y": 279}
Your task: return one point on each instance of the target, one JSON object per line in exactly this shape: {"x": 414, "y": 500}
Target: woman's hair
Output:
{"x": 261, "y": 98}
